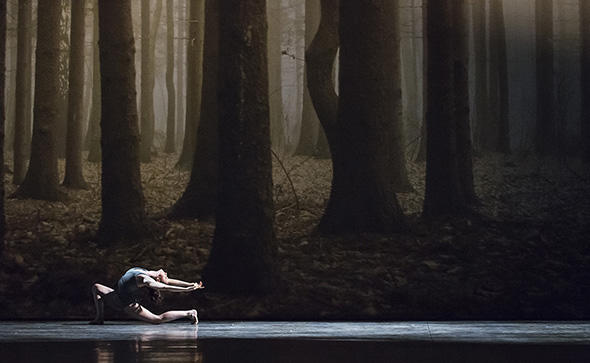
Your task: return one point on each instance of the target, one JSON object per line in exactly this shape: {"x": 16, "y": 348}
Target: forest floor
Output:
{"x": 526, "y": 257}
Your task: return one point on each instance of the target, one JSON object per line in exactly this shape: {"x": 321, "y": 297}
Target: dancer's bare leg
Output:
{"x": 139, "y": 312}
{"x": 100, "y": 293}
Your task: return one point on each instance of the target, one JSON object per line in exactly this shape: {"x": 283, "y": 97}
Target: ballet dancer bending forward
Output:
{"x": 132, "y": 286}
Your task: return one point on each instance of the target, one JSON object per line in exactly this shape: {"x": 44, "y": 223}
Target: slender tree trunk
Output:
{"x": 366, "y": 152}
{"x": 545, "y": 128}
{"x": 200, "y": 197}
{"x": 22, "y": 125}
{"x": 198, "y": 80}
{"x": 244, "y": 251}
{"x": 123, "y": 215}
{"x": 3, "y": 21}
{"x": 180, "y": 72}
{"x": 319, "y": 59}
{"x": 461, "y": 93}
{"x": 585, "y": 78}
{"x": 93, "y": 134}
{"x": 41, "y": 180}
{"x": 74, "y": 177}
{"x": 171, "y": 121}
{"x": 310, "y": 123}
{"x": 277, "y": 128}
{"x": 443, "y": 193}
{"x": 148, "y": 41}
{"x": 421, "y": 154}
{"x": 482, "y": 107}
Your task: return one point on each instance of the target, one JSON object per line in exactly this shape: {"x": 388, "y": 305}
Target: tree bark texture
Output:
{"x": 277, "y": 128}
{"x": 171, "y": 91}
{"x": 367, "y": 153}
{"x": 198, "y": 76}
{"x": 243, "y": 253}
{"x": 545, "y": 128}
{"x": 22, "y": 121}
{"x": 442, "y": 194}
{"x": 482, "y": 107}
{"x": 182, "y": 16}
{"x": 41, "y": 180}
{"x": 3, "y": 21}
{"x": 585, "y": 78}
{"x": 499, "y": 78}
{"x": 461, "y": 93}
{"x": 74, "y": 177}
{"x": 310, "y": 124}
{"x": 93, "y": 134}
{"x": 123, "y": 215}
{"x": 200, "y": 197}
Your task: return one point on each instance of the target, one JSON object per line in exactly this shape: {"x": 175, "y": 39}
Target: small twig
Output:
{"x": 288, "y": 178}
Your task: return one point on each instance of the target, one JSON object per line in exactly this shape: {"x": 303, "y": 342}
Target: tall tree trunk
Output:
{"x": 482, "y": 107}
{"x": 41, "y": 180}
{"x": 180, "y": 71}
{"x": 74, "y": 177}
{"x": 64, "y": 75}
{"x": 443, "y": 193}
{"x": 22, "y": 121}
{"x": 461, "y": 92}
{"x": 545, "y": 128}
{"x": 310, "y": 124}
{"x": 197, "y": 105}
{"x": 277, "y": 128}
{"x": 319, "y": 59}
{"x": 200, "y": 197}
{"x": 421, "y": 154}
{"x": 366, "y": 149}
{"x": 171, "y": 121}
{"x": 93, "y": 135}
{"x": 585, "y": 78}
{"x": 243, "y": 254}
{"x": 499, "y": 79}
{"x": 123, "y": 215}
{"x": 148, "y": 41}
{"x": 3, "y": 21}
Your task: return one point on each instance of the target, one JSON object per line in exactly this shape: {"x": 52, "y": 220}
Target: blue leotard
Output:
{"x": 127, "y": 288}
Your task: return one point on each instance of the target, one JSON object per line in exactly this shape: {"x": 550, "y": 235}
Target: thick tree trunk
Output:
{"x": 482, "y": 107}
{"x": 93, "y": 134}
{"x": 41, "y": 180}
{"x": 277, "y": 128}
{"x": 545, "y": 128}
{"x": 310, "y": 124}
{"x": 443, "y": 193}
{"x": 74, "y": 177}
{"x": 367, "y": 153}
{"x": 585, "y": 78}
{"x": 171, "y": 120}
{"x": 461, "y": 93}
{"x": 3, "y": 21}
{"x": 123, "y": 215}
{"x": 22, "y": 121}
{"x": 199, "y": 77}
{"x": 244, "y": 251}
{"x": 200, "y": 197}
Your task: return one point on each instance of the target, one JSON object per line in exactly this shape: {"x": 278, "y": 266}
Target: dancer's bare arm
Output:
{"x": 181, "y": 283}
{"x": 145, "y": 280}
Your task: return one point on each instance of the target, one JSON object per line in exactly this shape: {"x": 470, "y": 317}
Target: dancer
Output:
{"x": 132, "y": 286}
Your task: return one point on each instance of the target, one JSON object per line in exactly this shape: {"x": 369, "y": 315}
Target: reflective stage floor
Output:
{"x": 296, "y": 342}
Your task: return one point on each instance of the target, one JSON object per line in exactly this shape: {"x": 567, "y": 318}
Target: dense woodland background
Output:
{"x": 308, "y": 159}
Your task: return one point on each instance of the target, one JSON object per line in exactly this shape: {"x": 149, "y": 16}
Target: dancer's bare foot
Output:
{"x": 192, "y": 315}
{"x": 96, "y": 322}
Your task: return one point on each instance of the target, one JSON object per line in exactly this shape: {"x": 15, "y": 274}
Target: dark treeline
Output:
{"x": 232, "y": 84}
